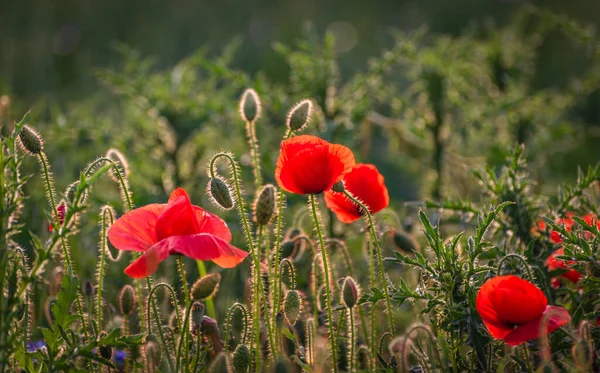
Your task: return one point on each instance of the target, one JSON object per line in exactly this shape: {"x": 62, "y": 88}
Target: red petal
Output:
{"x": 147, "y": 264}
{"x": 206, "y": 247}
{"x": 345, "y": 210}
{"x": 135, "y": 230}
{"x": 178, "y": 218}
{"x": 212, "y": 224}
{"x": 554, "y": 317}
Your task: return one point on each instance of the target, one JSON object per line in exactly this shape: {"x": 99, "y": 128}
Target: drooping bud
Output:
{"x": 288, "y": 249}
{"x": 206, "y": 287}
{"x": 88, "y": 288}
{"x": 264, "y": 205}
{"x": 210, "y": 329}
{"x": 152, "y": 353}
{"x": 350, "y": 292}
{"x": 127, "y": 300}
{"x": 119, "y": 159}
{"x": 241, "y": 358}
{"x": 292, "y": 304}
{"x": 31, "y": 142}
{"x": 197, "y": 314}
{"x": 299, "y": 115}
{"x": 404, "y": 242}
{"x": 338, "y": 187}
{"x": 220, "y": 193}
{"x": 592, "y": 269}
{"x": 250, "y": 108}
{"x": 173, "y": 324}
{"x": 583, "y": 355}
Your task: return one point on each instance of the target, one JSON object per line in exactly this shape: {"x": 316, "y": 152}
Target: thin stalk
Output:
{"x": 313, "y": 205}
{"x": 210, "y": 305}
{"x": 161, "y": 333}
{"x": 352, "y": 339}
{"x": 254, "y": 152}
{"x": 183, "y": 340}
{"x": 375, "y": 241}
{"x": 256, "y": 319}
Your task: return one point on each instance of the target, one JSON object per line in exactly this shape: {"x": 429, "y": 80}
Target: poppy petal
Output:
{"x": 147, "y": 264}
{"x": 178, "y": 218}
{"x": 211, "y": 224}
{"x": 135, "y": 230}
{"x": 206, "y": 247}
{"x": 344, "y": 209}
{"x": 554, "y": 316}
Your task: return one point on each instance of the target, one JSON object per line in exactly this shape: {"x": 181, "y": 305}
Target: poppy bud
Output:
{"x": 152, "y": 353}
{"x": 250, "y": 108}
{"x": 197, "y": 314}
{"x": 299, "y": 115}
{"x": 405, "y": 242}
{"x": 88, "y": 288}
{"x": 264, "y": 205}
{"x": 206, "y": 287}
{"x": 127, "y": 300}
{"x": 583, "y": 355}
{"x": 291, "y": 306}
{"x": 350, "y": 292}
{"x": 338, "y": 187}
{"x": 288, "y": 248}
{"x": 219, "y": 365}
{"x": 173, "y": 321}
{"x": 30, "y": 141}
{"x": 50, "y": 301}
{"x": 241, "y": 358}
{"x": 220, "y": 193}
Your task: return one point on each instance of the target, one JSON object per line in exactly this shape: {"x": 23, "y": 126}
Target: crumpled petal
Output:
{"x": 147, "y": 264}
{"x": 135, "y": 230}
{"x": 178, "y": 218}
{"x": 553, "y": 316}
{"x": 212, "y": 224}
{"x": 205, "y": 246}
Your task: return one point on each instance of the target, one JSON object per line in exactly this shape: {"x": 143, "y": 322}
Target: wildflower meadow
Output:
{"x": 409, "y": 217}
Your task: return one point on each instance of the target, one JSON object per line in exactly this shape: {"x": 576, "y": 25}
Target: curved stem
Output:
{"x": 375, "y": 241}
{"x": 291, "y": 270}
{"x": 244, "y": 313}
{"x": 246, "y": 225}
{"x": 161, "y": 333}
{"x": 313, "y": 205}
{"x": 210, "y": 305}
{"x": 521, "y": 260}
{"x": 257, "y": 313}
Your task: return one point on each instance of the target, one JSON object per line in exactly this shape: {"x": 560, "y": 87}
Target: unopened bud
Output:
{"x": 206, "y": 287}
{"x": 592, "y": 269}
{"x": 583, "y": 355}
{"x": 241, "y": 358}
{"x": 50, "y": 301}
{"x": 405, "y": 242}
{"x": 127, "y": 300}
{"x": 152, "y": 353}
{"x": 292, "y": 305}
{"x": 250, "y": 108}
{"x": 88, "y": 288}
{"x": 350, "y": 292}
{"x": 264, "y": 205}
{"x": 197, "y": 314}
{"x": 288, "y": 249}
{"x": 31, "y": 141}
{"x": 338, "y": 187}
{"x": 220, "y": 193}
{"x": 299, "y": 115}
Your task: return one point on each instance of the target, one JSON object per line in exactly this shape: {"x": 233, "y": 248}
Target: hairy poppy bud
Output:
{"x": 206, "y": 287}
{"x": 288, "y": 249}
{"x": 338, "y": 187}
{"x": 152, "y": 353}
{"x": 250, "y": 108}
{"x": 72, "y": 190}
{"x": 583, "y": 355}
{"x": 592, "y": 269}
{"x": 88, "y": 288}
{"x": 127, "y": 300}
{"x": 220, "y": 193}
{"x": 405, "y": 242}
{"x": 350, "y": 292}
{"x": 30, "y": 141}
{"x": 197, "y": 314}
{"x": 292, "y": 305}
{"x": 299, "y": 115}
{"x": 241, "y": 358}
{"x": 264, "y": 205}
{"x": 50, "y": 301}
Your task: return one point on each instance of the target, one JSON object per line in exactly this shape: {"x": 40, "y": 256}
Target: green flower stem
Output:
{"x": 256, "y": 319}
{"x": 246, "y": 225}
{"x": 210, "y": 305}
{"x": 254, "y": 152}
{"x": 103, "y": 246}
{"x": 183, "y": 340}
{"x": 317, "y": 222}
{"x": 67, "y": 256}
{"x": 352, "y": 341}
{"x": 161, "y": 333}
{"x": 375, "y": 242}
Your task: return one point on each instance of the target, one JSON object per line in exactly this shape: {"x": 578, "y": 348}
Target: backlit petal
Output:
{"x": 135, "y": 230}
{"x": 212, "y": 224}
{"x": 178, "y": 218}
{"x": 147, "y": 264}
{"x": 553, "y": 318}
{"x": 206, "y": 247}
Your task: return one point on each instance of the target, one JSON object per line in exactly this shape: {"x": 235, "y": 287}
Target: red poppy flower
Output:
{"x": 553, "y": 263}
{"x": 310, "y": 165}
{"x": 567, "y": 222}
{"x": 514, "y": 309}
{"x": 366, "y": 184}
{"x": 178, "y": 227}
{"x": 61, "y": 210}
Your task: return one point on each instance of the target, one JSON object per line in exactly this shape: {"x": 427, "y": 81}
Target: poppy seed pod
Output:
{"x": 405, "y": 242}
{"x": 220, "y": 193}
{"x": 338, "y": 187}
{"x": 250, "y": 107}
{"x": 299, "y": 115}
{"x": 292, "y": 304}
{"x": 264, "y": 205}
{"x": 197, "y": 314}
{"x": 241, "y": 358}
{"x": 127, "y": 300}
{"x": 350, "y": 292}
{"x": 30, "y": 141}
{"x": 206, "y": 286}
